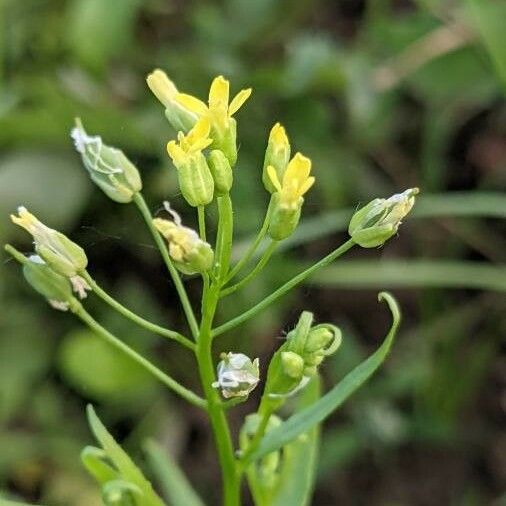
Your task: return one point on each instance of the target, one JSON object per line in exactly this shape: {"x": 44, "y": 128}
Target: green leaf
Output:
{"x": 306, "y": 419}
{"x": 128, "y": 470}
{"x": 176, "y": 487}
{"x": 413, "y": 273}
{"x": 300, "y": 460}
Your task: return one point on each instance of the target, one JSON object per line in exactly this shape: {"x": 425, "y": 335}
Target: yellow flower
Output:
{"x": 219, "y": 110}
{"x": 195, "y": 141}
{"x": 295, "y": 183}
{"x": 277, "y": 154}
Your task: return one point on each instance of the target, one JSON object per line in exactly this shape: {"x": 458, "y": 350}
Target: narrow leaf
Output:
{"x": 176, "y": 487}
{"x": 306, "y": 419}
{"x": 128, "y": 470}
{"x": 93, "y": 460}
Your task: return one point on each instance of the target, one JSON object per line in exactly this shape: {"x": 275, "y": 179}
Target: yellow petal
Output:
{"x": 192, "y": 103}
{"x": 219, "y": 93}
{"x": 25, "y": 219}
{"x": 298, "y": 168}
{"x": 175, "y": 152}
{"x": 238, "y": 101}
{"x": 278, "y": 135}
{"x": 271, "y": 171}
{"x": 161, "y": 86}
{"x": 306, "y": 186}
{"x": 200, "y": 130}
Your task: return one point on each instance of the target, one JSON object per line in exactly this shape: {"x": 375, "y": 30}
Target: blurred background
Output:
{"x": 382, "y": 95}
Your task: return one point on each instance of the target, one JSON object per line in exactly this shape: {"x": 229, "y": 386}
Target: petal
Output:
{"x": 238, "y": 101}
{"x": 175, "y": 152}
{"x": 271, "y": 171}
{"x": 192, "y": 103}
{"x": 219, "y": 92}
{"x": 306, "y": 185}
{"x": 298, "y": 168}
{"x": 278, "y": 135}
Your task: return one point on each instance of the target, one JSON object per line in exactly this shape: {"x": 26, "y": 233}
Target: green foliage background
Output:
{"x": 382, "y": 95}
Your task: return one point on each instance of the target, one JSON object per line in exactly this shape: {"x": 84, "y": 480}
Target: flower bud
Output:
{"x": 190, "y": 253}
{"x": 283, "y": 220}
{"x": 237, "y": 375}
{"x": 181, "y": 118}
{"x": 195, "y": 178}
{"x": 108, "y": 167}
{"x": 58, "y": 251}
{"x": 277, "y": 155}
{"x": 120, "y": 493}
{"x": 293, "y": 364}
{"x": 379, "y": 220}
{"x": 221, "y": 171}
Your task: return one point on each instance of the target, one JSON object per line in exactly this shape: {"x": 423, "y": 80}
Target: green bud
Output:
{"x": 283, "y": 220}
{"x": 277, "y": 154}
{"x": 221, "y": 171}
{"x": 237, "y": 375}
{"x": 379, "y": 220}
{"x": 190, "y": 253}
{"x": 108, "y": 167}
{"x": 292, "y": 364}
{"x": 120, "y": 493}
{"x": 58, "y": 251}
{"x": 225, "y": 140}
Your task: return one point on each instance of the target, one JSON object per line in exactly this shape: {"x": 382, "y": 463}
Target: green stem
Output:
{"x": 221, "y": 430}
{"x": 283, "y": 289}
{"x": 256, "y": 270}
{"x": 146, "y": 213}
{"x": 146, "y": 364}
{"x": 259, "y": 434}
{"x": 201, "y": 210}
{"x": 152, "y": 327}
{"x": 253, "y": 246}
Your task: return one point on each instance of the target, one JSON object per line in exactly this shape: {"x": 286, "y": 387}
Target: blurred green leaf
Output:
{"x": 304, "y": 420}
{"x": 412, "y": 274}
{"x": 300, "y": 459}
{"x": 109, "y": 375}
{"x": 128, "y": 470}
{"x": 177, "y": 489}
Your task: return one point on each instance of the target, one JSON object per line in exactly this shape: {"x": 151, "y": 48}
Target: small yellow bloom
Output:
{"x": 219, "y": 110}
{"x": 195, "y": 141}
{"x": 295, "y": 183}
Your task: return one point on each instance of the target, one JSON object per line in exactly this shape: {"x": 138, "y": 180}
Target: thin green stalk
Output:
{"x": 253, "y": 246}
{"x": 283, "y": 289}
{"x": 152, "y": 327}
{"x": 255, "y": 442}
{"x": 221, "y": 430}
{"x": 256, "y": 270}
{"x": 201, "y": 210}
{"x": 146, "y": 364}
{"x": 190, "y": 316}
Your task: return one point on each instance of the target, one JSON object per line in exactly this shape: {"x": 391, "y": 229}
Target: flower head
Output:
{"x": 190, "y": 253}
{"x": 58, "y": 251}
{"x": 295, "y": 182}
{"x": 237, "y": 375}
{"x": 197, "y": 139}
{"x": 379, "y": 220}
{"x": 277, "y": 155}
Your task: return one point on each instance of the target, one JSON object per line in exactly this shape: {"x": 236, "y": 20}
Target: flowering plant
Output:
{"x": 269, "y": 448}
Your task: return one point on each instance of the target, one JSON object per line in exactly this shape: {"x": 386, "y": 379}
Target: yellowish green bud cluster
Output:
{"x": 237, "y": 375}
{"x": 298, "y": 359}
{"x": 108, "y": 167}
{"x": 181, "y": 118}
{"x": 188, "y": 251}
{"x": 195, "y": 178}
{"x": 379, "y": 220}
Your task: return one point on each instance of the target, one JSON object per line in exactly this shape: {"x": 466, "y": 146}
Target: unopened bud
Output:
{"x": 293, "y": 364}
{"x": 108, "y": 167}
{"x": 379, "y": 220}
{"x": 237, "y": 375}
{"x": 58, "y": 251}
{"x": 190, "y": 253}
{"x": 277, "y": 155}
{"x": 221, "y": 171}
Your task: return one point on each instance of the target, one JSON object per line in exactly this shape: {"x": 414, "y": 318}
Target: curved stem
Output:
{"x": 201, "y": 210}
{"x": 146, "y": 213}
{"x": 253, "y": 246}
{"x": 260, "y": 265}
{"x": 152, "y": 327}
{"x": 143, "y": 362}
{"x": 283, "y": 289}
